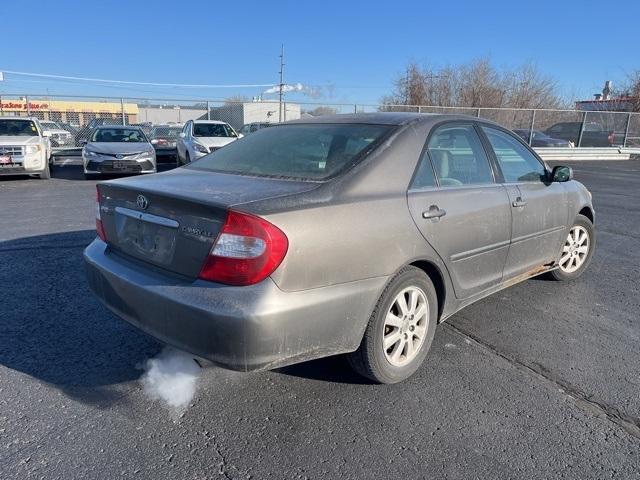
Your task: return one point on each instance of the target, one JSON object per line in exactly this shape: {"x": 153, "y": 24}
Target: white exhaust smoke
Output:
{"x": 171, "y": 377}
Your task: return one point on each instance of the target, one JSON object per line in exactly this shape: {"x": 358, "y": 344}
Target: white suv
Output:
{"x": 199, "y": 137}
{"x": 24, "y": 147}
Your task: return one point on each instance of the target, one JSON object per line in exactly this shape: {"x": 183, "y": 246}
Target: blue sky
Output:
{"x": 351, "y": 50}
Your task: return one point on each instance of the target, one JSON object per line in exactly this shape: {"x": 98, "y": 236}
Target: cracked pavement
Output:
{"x": 541, "y": 380}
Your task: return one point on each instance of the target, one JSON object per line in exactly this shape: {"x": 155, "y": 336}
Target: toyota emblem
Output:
{"x": 142, "y": 202}
{"x": 119, "y": 156}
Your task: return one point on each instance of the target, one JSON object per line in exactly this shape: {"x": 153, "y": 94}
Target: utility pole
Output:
{"x": 281, "y": 79}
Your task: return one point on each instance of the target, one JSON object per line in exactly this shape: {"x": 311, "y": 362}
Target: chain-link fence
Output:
{"x": 72, "y": 119}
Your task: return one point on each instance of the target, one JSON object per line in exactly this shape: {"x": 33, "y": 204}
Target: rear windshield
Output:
{"x": 168, "y": 132}
{"x": 308, "y": 152}
{"x": 20, "y": 128}
{"x": 212, "y": 130}
{"x": 118, "y": 135}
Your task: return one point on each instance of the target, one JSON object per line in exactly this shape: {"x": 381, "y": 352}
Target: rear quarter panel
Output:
{"x": 357, "y": 226}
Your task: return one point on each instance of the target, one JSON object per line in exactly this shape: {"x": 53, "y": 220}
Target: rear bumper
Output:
{"x": 241, "y": 328}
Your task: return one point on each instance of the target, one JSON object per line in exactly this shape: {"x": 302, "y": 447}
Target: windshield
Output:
{"x": 20, "y": 128}
{"x": 118, "y": 135}
{"x": 166, "y": 132}
{"x": 308, "y": 152}
{"x": 50, "y": 125}
{"x": 212, "y": 130}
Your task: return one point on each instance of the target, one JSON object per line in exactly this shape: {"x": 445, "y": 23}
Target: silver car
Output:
{"x": 200, "y": 137}
{"x": 349, "y": 234}
{"x": 118, "y": 149}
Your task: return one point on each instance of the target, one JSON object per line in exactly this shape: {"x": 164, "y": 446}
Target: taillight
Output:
{"x": 99, "y": 226}
{"x": 248, "y": 249}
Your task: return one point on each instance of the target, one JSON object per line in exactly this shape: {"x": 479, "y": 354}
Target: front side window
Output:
{"x": 517, "y": 163}
{"x": 458, "y": 156}
{"x": 109, "y": 135}
{"x": 18, "y": 128}
{"x": 302, "y": 151}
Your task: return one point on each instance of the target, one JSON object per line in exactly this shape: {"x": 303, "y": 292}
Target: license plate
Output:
{"x": 119, "y": 165}
{"x": 5, "y": 159}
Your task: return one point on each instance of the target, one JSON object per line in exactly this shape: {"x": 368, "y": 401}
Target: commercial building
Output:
{"x": 72, "y": 112}
{"x": 239, "y": 114}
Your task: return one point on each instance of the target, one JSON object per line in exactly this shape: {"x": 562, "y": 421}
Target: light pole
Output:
{"x": 281, "y": 81}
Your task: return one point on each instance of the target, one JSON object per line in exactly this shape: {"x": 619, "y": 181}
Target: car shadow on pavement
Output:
{"x": 330, "y": 369}
{"x": 52, "y": 327}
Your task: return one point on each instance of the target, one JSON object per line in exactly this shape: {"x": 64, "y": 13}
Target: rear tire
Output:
{"x": 577, "y": 250}
{"x": 400, "y": 330}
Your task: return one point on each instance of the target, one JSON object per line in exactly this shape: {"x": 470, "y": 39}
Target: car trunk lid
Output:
{"x": 171, "y": 220}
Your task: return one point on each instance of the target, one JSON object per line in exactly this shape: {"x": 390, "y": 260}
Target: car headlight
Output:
{"x": 146, "y": 154}
{"x": 33, "y": 148}
{"x": 200, "y": 148}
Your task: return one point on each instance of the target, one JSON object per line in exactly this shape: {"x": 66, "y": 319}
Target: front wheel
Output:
{"x": 46, "y": 173}
{"x": 577, "y": 250}
{"x": 400, "y": 330}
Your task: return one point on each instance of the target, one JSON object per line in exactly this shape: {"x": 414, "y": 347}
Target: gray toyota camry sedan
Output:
{"x": 350, "y": 234}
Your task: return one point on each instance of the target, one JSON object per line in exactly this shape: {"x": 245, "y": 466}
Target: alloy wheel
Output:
{"x": 575, "y": 249}
{"x": 405, "y": 326}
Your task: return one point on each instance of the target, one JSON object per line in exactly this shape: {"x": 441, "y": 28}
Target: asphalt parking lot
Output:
{"x": 539, "y": 381}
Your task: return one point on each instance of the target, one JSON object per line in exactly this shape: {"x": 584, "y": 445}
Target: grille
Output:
{"x": 121, "y": 156}
{"x": 10, "y": 150}
{"x": 127, "y": 166}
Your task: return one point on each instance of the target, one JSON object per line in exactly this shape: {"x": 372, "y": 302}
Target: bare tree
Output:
{"x": 633, "y": 90}
{"x": 318, "y": 111}
{"x": 477, "y": 84}
{"x": 236, "y": 99}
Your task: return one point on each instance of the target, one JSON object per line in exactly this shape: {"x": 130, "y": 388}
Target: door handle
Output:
{"x": 518, "y": 202}
{"x": 434, "y": 213}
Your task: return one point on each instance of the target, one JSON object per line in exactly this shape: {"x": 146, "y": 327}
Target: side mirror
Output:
{"x": 84, "y": 141}
{"x": 182, "y": 135}
{"x": 561, "y": 174}
{"x": 240, "y": 135}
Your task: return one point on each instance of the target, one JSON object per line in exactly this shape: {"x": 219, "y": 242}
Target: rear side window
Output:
{"x": 458, "y": 156}
{"x": 304, "y": 151}
{"x": 517, "y": 163}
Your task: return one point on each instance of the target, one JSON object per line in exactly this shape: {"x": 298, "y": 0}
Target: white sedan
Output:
{"x": 199, "y": 137}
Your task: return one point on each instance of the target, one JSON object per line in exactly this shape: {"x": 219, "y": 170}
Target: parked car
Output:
{"x": 58, "y": 136}
{"x": 541, "y": 139}
{"x": 118, "y": 149}
{"x": 254, "y": 127}
{"x": 163, "y": 139}
{"x": 593, "y": 135}
{"x": 24, "y": 147}
{"x": 199, "y": 137}
{"x": 84, "y": 133}
{"x": 340, "y": 234}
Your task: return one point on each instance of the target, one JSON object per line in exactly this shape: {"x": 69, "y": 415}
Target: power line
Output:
{"x": 102, "y": 80}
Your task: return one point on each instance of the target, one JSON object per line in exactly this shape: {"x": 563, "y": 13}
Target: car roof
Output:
{"x": 15, "y": 117}
{"x": 117, "y": 127}
{"x": 219, "y": 122}
{"x": 386, "y": 118}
